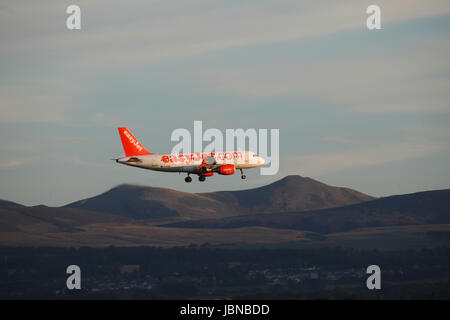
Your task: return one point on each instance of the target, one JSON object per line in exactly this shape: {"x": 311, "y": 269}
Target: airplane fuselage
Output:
{"x": 190, "y": 162}
{"x": 199, "y": 163}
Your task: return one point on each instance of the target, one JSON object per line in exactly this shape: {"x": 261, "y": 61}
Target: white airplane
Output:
{"x": 202, "y": 164}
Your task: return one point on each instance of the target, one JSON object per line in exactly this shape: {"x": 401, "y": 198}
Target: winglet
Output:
{"x": 131, "y": 145}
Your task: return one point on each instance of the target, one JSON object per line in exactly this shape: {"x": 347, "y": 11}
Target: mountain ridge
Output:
{"x": 7, "y": 203}
{"x": 287, "y": 194}
{"x": 426, "y": 207}
{"x": 200, "y": 218}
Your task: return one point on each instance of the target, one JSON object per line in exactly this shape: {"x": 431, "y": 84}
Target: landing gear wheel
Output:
{"x": 201, "y": 178}
{"x": 243, "y": 176}
{"x": 188, "y": 179}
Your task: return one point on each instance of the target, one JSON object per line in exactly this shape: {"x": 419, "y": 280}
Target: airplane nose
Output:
{"x": 261, "y": 160}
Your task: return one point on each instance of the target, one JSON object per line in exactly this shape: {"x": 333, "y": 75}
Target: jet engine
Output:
{"x": 226, "y": 169}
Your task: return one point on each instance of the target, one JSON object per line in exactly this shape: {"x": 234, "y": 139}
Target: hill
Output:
{"x": 151, "y": 203}
{"x": 292, "y": 193}
{"x": 6, "y": 203}
{"x": 178, "y": 218}
{"x": 430, "y": 207}
{"x": 43, "y": 219}
{"x": 74, "y": 227}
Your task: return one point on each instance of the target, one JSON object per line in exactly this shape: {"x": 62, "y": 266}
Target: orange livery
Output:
{"x": 201, "y": 164}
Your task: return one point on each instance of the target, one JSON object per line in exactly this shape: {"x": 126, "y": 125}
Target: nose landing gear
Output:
{"x": 243, "y": 176}
{"x": 188, "y": 179}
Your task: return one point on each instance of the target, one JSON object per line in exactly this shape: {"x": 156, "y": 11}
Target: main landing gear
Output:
{"x": 200, "y": 178}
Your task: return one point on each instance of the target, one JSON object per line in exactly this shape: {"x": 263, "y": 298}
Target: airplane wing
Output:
{"x": 207, "y": 163}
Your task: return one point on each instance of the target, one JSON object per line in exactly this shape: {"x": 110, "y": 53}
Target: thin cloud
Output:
{"x": 38, "y": 100}
{"x": 314, "y": 164}
{"x": 172, "y": 31}
{"x": 371, "y": 84}
{"x": 158, "y": 31}
{"x": 14, "y": 163}
{"x": 77, "y": 161}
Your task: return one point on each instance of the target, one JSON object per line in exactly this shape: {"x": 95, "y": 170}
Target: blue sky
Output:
{"x": 363, "y": 109}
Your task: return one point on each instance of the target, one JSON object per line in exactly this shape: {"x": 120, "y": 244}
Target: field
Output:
{"x": 387, "y": 238}
{"x": 122, "y": 234}
{"x": 103, "y": 235}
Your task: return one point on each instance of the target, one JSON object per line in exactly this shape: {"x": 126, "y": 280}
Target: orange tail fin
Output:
{"x": 131, "y": 145}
